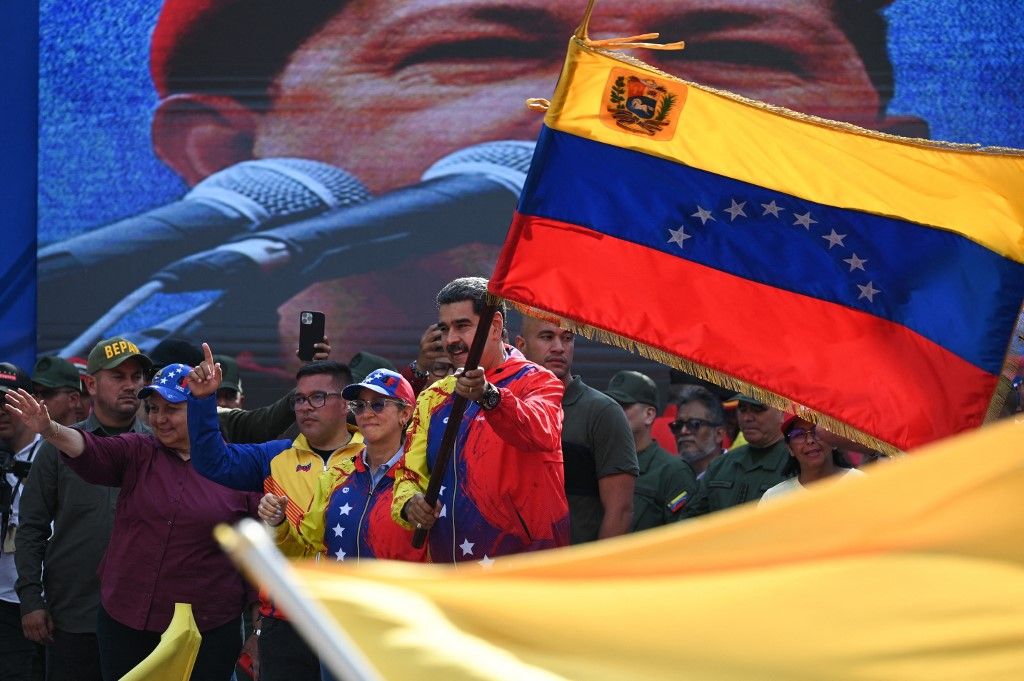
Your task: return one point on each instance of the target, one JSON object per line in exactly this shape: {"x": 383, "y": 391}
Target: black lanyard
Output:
{"x": 9, "y": 511}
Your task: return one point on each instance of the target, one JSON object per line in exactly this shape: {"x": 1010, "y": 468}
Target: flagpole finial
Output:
{"x": 583, "y": 30}
{"x": 630, "y": 42}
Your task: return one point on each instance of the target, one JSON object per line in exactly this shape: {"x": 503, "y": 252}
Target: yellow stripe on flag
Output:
{"x": 968, "y": 191}
{"x": 914, "y": 571}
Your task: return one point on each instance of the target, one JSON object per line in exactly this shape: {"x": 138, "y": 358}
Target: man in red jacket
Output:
{"x": 504, "y": 489}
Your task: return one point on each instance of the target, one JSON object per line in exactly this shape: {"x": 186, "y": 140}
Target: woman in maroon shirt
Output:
{"x": 161, "y": 551}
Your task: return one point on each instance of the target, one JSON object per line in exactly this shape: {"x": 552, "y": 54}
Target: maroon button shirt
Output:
{"x": 162, "y": 549}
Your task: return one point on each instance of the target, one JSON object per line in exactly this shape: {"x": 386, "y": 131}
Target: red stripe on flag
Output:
{"x": 842, "y": 362}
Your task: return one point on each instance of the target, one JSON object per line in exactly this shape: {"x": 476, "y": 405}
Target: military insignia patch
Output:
{"x": 641, "y": 104}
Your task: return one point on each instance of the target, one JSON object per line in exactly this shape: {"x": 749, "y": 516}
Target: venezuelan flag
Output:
{"x": 872, "y": 281}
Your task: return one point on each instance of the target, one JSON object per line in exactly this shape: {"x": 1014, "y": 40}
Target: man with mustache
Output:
{"x": 748, "y": 471}
{"x": 503, "y": 489}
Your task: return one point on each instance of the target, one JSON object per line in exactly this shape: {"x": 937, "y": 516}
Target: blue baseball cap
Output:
{"x": 384, "y": 382}
{"x": 170, "y": 383}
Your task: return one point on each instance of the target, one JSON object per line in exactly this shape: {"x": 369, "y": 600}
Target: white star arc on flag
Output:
{"x": 805, "y": 220}
{"x": 868, "y": 291}
{"x": 678, "y": 236}
{"x": 834, "y": 239}
{"x": 735, "y": 209}
{"x": 855, "y": 263}
{"x": 771, "y": 208}
{"x": 703, "y": 215}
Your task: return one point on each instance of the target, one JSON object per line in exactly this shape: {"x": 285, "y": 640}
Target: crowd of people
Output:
{"x": 118, "y": 468}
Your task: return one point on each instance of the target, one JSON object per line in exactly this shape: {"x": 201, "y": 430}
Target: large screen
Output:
{"x": 365, "y": 153}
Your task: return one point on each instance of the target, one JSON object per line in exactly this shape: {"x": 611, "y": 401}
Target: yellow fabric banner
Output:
{"x": 175, "y": 655}
{"x": 915, "y": 571}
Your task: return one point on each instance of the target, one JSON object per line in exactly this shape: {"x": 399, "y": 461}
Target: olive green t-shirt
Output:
{"x": 596, "y": 441}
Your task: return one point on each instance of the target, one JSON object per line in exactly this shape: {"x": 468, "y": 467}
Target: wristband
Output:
{"x": 417, "y": 372}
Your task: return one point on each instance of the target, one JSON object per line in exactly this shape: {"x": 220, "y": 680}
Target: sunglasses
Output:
{"x": 377, "y": 404}
{"x": 692, "y": 425}
{"x": 804, "y": 434}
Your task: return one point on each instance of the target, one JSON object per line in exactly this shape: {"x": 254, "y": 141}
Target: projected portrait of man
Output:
{"x": 385, "y": 89}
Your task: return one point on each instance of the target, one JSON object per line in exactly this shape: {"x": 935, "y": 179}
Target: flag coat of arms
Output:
{"x": 871, "y": 281}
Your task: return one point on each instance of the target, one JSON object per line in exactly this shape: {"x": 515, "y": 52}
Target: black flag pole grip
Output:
{"x": 451, "y": 430}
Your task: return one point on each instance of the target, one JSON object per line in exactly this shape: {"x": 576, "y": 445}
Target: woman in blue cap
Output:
{"x": 161, "y": 550}
{"x": 350, "y": 515}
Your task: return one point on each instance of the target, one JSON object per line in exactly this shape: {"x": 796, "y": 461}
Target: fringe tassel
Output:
{"x": 706, "y": 373}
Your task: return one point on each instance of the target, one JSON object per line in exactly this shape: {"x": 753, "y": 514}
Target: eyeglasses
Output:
{"x": 803, "y": 433}
{"x": 377, "y": 404}
{"x": 314, "y": 400}
{"x": 692, "y": 425}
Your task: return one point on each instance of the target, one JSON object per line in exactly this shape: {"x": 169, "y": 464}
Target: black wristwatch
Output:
{"x": 490, "y": 398}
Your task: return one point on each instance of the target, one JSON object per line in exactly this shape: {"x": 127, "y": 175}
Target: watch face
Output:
{"x": 489, "y": 400}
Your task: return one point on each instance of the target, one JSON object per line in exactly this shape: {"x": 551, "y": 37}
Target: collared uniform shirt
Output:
{"x": 162, "y": 549}
{"x": 664, "y": 488}
{"x": 738, "y": 476}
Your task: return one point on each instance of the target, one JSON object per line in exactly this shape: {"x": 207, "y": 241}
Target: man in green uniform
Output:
{"x": 666, "y": 483}
{"x": 745, "y": 473}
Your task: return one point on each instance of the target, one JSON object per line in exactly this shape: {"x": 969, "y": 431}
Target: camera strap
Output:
{"x": 7, "y": 528}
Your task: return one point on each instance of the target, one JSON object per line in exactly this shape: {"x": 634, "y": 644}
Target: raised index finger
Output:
{"x": 207, "y": 353}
